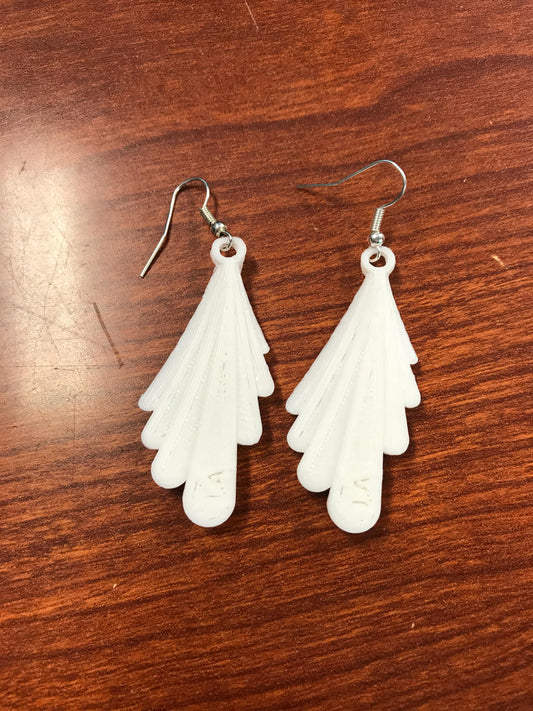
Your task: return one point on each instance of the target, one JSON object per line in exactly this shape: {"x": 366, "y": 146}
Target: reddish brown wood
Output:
{"x": 111, "y": 599}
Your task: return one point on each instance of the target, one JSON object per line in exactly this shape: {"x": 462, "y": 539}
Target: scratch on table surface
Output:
{"x": 64, "y": 237}
{"x": 14, "y": 281}
{"x": 108, "y": 335}
{"x": 23, "y": 167}
{"x": 74, "y": 422}
{"x": 72, "y": 367}
{"x": 46, "y": 322}
{"x": 66, "y": 329}
{"x": 500, "y": 261}
{"x": 251, "y": 15}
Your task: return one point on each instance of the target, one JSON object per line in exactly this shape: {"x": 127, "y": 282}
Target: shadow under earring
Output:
{"x": 351, "y": 403}
{"x": 204, "y": 400}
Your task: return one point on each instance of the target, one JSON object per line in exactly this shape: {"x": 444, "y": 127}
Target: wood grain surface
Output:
{"x": 111, "y": 598}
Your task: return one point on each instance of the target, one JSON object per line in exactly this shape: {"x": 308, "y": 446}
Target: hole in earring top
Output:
{"x": 385, "y": 261}
{"x": 378, "y": 260}
{"x": 237, "y": 250}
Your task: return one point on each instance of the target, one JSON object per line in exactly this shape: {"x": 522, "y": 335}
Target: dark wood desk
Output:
{"x": 111, "y": 598}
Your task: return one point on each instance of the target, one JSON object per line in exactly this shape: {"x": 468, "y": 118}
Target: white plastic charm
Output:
{"x": 351, "y": 403}
{"x": 204, "y": 398}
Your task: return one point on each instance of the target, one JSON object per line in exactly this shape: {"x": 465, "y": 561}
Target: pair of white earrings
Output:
{"x": 350, "y": 405}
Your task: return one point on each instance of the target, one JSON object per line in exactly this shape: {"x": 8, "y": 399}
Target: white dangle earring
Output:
{"x": 204, "y": 398}
{"x": 351, "y": 403}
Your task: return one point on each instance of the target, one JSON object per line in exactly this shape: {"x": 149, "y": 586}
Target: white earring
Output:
{"x": 204, "y": 398}
{"x": 351, "y": 403}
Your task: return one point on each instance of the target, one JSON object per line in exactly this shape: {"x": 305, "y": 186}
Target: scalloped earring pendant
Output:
{"x": 204, "y": 400}
{"x": 350, "y": 405}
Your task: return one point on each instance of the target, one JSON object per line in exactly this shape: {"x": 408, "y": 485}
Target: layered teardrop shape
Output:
{"x": 351, "y": 403}
{"x": 204, "y": 398}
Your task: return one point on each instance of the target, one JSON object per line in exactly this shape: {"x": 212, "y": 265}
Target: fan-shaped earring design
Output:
{"x": 351, "y": 403}
{"x": 204, "y": 400}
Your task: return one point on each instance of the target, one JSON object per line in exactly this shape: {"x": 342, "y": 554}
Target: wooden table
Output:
{"x": 111, "y": 598}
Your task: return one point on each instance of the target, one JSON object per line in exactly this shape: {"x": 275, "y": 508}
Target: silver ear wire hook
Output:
{"x": 219, "y": 229}
{"x": 376, "y": 238}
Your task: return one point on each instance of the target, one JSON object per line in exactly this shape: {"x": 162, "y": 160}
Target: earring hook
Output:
{"x": 376, "y": 238}
{"x": 219, "y": 229}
